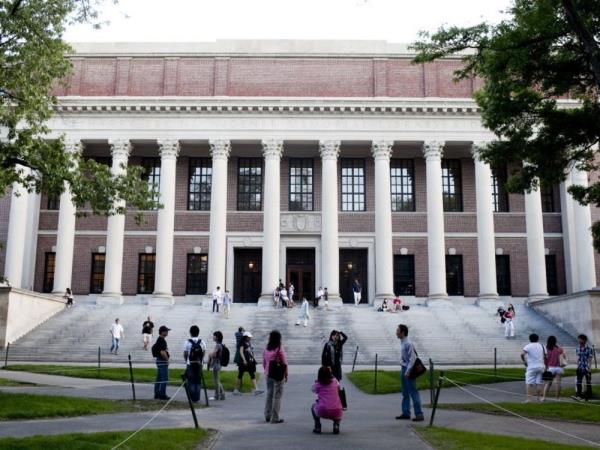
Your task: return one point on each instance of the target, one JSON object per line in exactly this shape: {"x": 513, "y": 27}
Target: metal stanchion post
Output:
{"x": 187, "y": 393}
{"x": 203, "y": 383}
{"x": 355, "y": 355}
{"x": 131, "y": 377}
{"x": 431, "y": 388}
{"x": 495, "y": 361}
{"x": 375, "y": 386}
{"x": 437, "y": 397}
{"x": 595, "y": 359}
{"x": 6, "y": 355}
{"x": 99, "y": 351}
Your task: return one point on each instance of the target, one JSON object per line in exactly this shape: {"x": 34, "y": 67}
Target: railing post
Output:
{"x": 495, "y": 361}
{"x": 187, "y": 393}
{"x": 99, "y": 351}
{"x": 375, "y": 386}
{"x": 595, "y": 359}
{"x": 431, "y": 388}
{"x": 131, "y": 377}
{"x": 6, "y": 355}
{"x": 437, "y": 397}
{"x": 355, "y": 355}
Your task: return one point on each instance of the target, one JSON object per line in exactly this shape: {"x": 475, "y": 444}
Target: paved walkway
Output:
{"x": 369, "y": 422}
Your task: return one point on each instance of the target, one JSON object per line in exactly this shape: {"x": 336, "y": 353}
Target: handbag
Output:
{"x": 563, "y": 360}
{"x": 547, "y": 375}
{"x": 343, "y": 399}
{"x": 277, "y": 368}
{"x": 417, "y": 369}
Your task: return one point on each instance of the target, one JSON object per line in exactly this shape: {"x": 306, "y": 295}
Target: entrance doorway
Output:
{"x": 247, "y": 272}
{"x": 353, "y": 265}
{"x": 301, "y": 272}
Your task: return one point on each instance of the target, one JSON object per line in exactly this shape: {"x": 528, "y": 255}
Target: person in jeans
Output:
{"x": 584, "y": 368}
{"x": 226, "y": 304}
{"x": 216, "y": 299}
{"x": 214, "y": 362}
{"x": 160, "y": 351}
{"x": 333, "y": 354}
{"x": 409, "y": 386}
{"x": 328, "y": 404}
{"x": 116, "y": 333}
{"x": 274, "y": 352}
{"x": 534, "y": 357}
{"x": 246, "y": 363}
{"x": 194, "y": 361}
{"x": 554, "y": 354}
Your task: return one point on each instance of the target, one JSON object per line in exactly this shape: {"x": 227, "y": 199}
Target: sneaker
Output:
{"x": 258, "y": 392}
{"x": 317, "y": 430}
{"x": 277, "y": 421}
{"x": 419, "y": 418}
{"x": 576, "y": 398}
{"x": 212, "y": 399}
{"x": 268, "y": 419}
{"x": 336, "y": 428}
{"x": 222, "y": 397}
{"x": 236, "y": 392}
{"x": 403, "y": 417}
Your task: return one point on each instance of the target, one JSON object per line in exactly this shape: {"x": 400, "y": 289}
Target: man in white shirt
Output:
{"x": 216, "y": 298}
{"x": 117, "y": 333}
{"x": 318, "y": 297}
{"x": 534, "y": 358}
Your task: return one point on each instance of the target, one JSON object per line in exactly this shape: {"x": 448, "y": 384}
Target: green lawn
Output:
{"x": 448, "y": 439}
{"x": 173, "y": 439}
{"x": 567, "y": 410}
{"x": 30, "y": 406}
{"x": 5, "y": 382}
{"x": 140, "y": 375}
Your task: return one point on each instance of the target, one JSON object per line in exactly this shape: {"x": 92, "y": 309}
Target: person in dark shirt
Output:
{"x": 160, "y": 351}
{"x": 147, "y": 330}
{"x": 332, "y": 355}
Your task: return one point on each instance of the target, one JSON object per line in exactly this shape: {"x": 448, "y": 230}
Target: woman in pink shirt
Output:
{"x": 328, "y": 404}
{"x": 556, "y": 361}
{"x": 275, "y": 367}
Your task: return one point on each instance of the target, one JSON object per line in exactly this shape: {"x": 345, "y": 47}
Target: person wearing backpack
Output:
{"x": 193, "y": 353}
{"x": 160, "y": 352}
{"x": 275, "y": 367}
{"x": 215, "y": 362}
{"x": 246, "y": 363}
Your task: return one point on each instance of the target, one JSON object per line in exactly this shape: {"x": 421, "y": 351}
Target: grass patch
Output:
{"x": 566, "y": 410}
{"x": 140, "y": 375}
{"x": 388, "y": 381}
{"x": 5, "y": 382}
{"x": 30, "y": 406}
{"x": 178, "y": 439}
{"x": 448, "y": 439}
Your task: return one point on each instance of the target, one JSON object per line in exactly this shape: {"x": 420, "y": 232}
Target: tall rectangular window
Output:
{"x": 200, "y": 184}
{"x": 404, "y": 274}
{"x": 146, "y": 267}
{"x": 97, "y": 277}
{"x": 197, "y": 273}
{"x": 49, "y": 265}
{"x": 152, "y": 175}
{"x": 547, "y": 194}
{"x": 499, "y": 193}
{"x": 249, "y": 196}
{"x": 454, "y": 275}
{"x": 353, "y": 184}
{"x": 503, "y": 274}
{"x": 452, "y": 185}
{"x": 551, "y": 275}
{"x": 402, "y": 183}
{"x": 53, "y": 202}
{"x": 301, "y": 184}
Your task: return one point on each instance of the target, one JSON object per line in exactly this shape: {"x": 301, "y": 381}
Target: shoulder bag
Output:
{"x": 417, "y": 369}
{"x": 277, "y": 368}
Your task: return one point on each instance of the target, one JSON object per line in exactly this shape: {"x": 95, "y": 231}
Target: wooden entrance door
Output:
{"x": 303, "y": 279}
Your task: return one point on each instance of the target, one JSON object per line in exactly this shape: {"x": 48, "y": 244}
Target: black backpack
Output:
{"x": 196, "y": 353}
{"x": 224, "y": 356}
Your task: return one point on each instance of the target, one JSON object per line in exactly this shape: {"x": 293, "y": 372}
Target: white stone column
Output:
{"x": 17, "y": 233}
{"x": 330, "y": 248}
{"x": 586, "y": 270}
{"x": 384, "y": 254}
{"x": 486, "y": 249}
{"x": 436, "y": 254}
{"x": 569, "y": 238}
{"x": 115, "y": 230}
{"x": 272, "y": 151}
{"x": 65, "y": 239}
{"x": 536, "y": 256}
{"x": 169, "y": 149}
{"x": 217, "y": 244}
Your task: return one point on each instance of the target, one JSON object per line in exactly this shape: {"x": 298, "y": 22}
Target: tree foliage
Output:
{"x": 540, "y": 68}
{"x": 33, "y": 58}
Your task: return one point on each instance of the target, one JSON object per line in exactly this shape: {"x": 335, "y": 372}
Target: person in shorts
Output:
{"x": 147, "y": 331}
{"x": 246, "y": 363}
{"x": 556, "y": 360}
{"x": 534, "y": 358}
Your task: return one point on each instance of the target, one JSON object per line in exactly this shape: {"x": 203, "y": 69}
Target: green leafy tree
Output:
{"x": 33, "y": 59}
{"x": 540, "y": 68}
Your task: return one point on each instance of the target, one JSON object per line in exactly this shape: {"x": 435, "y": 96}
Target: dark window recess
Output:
{"x": 499, "y": 193}
{"x": 452, "y": 185}
{"x": 454, "y": 275}
{"x": 249, "y": 196}
{"x": 104, "y": 160}
{"x": 200, "y": 183}
{"x": 301, "y": 184}
{"x": 152, "y": 175}
{"x": 402, "y": 183}
{"x": 503, "y": 274}
{"x": 551, "y": 275}
{"x": 97, "y": 276}
{"x": 49, "y": 265}
{"x": 353, "y": 265}
{"x": 197, "y": 274}
{"x": 247, "y": 278}
{"x": 548, "y": 204}
{"x": 53, "y": 202}
{"x": 353, "y": 184}
{"x": 146, "y": 267}
{"x": 404, "y": 274}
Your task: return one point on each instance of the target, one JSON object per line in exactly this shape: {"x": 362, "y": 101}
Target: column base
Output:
{"x": 266, "y": 301}
{"x": 161, "y": 299}
{"x": 534, "y": 297}
{"x": 486, "y": 297}
{"x": 109, "y": 298}
{"x": 435, "y": 298}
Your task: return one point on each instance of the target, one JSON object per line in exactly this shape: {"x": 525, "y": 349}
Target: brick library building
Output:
{"x": 315, "y": 163}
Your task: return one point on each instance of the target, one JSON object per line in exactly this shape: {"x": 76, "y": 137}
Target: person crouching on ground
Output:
{"x": 328, "y": 404}
{"x": 275, "y": 367}
{"x": 304, "y": 314}
{"x": 246, "y": 363}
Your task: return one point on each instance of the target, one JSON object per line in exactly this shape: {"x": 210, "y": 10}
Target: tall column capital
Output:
{"x": 476, "y": 149}
{"x": 120, "y": 148}
{"x": 220, "y": 148}
{"x": 168, "y": 148}
{"x": 433, "y": 150}
{"x": 382, "y": 149}
{"x": 579, "y": 177}
{"x": 272, "y": 148}
{"x": 329, "y": 149}
{"x": 73, "y": 146}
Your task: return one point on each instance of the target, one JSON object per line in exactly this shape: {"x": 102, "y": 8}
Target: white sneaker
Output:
{"x": 236, "y": 392}
{"x": 258, "y": 392}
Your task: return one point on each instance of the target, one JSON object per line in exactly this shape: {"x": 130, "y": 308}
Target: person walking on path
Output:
{"x": 193, "y": 354}
{"x": 216, "y": 299}
{"x": 68, "y": 297}
{"x": 275, "y": 367}
{"x": 409, "y": 385}
{"x": 214, "y": 363}
{"x": 227, "y": 304}
{"x": 556, "y": 360}
{"x": 585, "y": 353}
{"x": 534, "y": 358}
{"x": 304, "y": 314}
{"x": 246, "y": 363}
{"x": 318, "y": 297}
{"x": 357, "y": 290}
{"x": 328, "y": 404}
{"x": 333, "y": 354}
{"x": 160, "y": 351}
{"x": 147, "y": 331}
{"x": 117, "y": 333}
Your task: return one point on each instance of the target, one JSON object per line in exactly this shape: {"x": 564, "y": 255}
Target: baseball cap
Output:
{"x": 247, "y": 334}
{"x": 163, "y": 328}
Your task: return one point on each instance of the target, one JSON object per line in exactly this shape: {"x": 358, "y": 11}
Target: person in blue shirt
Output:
{"x": 357, "y": 290}
{"x": 585, "y": 353}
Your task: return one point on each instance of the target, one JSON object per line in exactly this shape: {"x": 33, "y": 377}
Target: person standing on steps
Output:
{"x": 585, "y": 354}
{"x": 325, "y": 298}
{"x": 117, "y": 333}
{"x": 328, "y": 404}
{"x": 357, "y": 290}
{"x": 193, "y": 354}
{"x": 409, "y": 385}
{"x": 318, "y": 297}
{"x": 333, "y": 354}
{"x": 160, "y": 351}
{"x": 509, "y": 326}
{"x": 304, "y": 314}
{"x": 246, "y": 363}
{"x": 227, "y": 304}
{"x": 147, "y": 331}
{"x": 216, "y": 298}
{"x": 534, "y": 358}
{"x": 275, "y": 368}
{"x": 214, "y": 363}
{"x": 291, "y": 290}
{"x": 68, "y": 297}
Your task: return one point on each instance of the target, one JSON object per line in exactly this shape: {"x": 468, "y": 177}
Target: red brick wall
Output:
{"x": 517, "y": 250}
{"x": 409, "y": 222}
{"x": 82, "y": 267}
{"x": 181, "y": 247}
{"x": 133, "y": 246}
{"x": 468, "y": 249}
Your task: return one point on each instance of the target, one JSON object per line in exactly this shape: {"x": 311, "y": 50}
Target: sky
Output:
{"x": 202, "y": 20}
